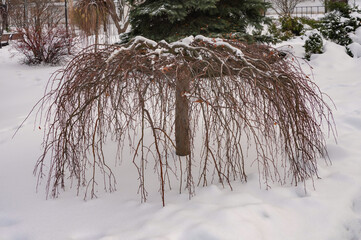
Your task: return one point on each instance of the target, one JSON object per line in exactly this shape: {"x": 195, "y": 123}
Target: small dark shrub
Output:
{"x": 278, "y": 35}
{"x": 294, "y": 25}
{"x": 313, "y": 45}
{"x": 285, "y": 28}
{"x": 342, "y": 7}
{"x": 349, "y": 52}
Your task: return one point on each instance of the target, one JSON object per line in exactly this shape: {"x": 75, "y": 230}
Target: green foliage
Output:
{"x": 349, "y": 52}
{"x": 337, "y": 25}
{"x": 175, "y": 19}
{"x": 341, "y": 7}
{"x": 313, "y": 45}
{"x": 313, "y": 23}
{"x": 285, "y": 28}
{"x": 258, "y": 36}
{"x": 278, "y": 35}
{"x": 334, "y": 29}
{"x": 292, "y": 24}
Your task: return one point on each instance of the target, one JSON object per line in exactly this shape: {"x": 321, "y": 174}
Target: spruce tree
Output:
{"x": 175, "y": 19}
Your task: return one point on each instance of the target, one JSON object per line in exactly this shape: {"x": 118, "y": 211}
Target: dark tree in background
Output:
{"x": 3, "y": 17}
{"x": 172, "y": 20}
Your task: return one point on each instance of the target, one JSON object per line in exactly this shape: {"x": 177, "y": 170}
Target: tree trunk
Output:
{"x": 113, "y": 14}
{"x": 96, "y": 28}
{"x": 182, "y": 130}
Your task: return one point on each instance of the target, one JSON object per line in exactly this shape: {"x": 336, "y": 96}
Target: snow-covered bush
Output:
{"x": 337, "y": 26}
{"x": 313, "y": 45}
{"x": 342, "y": 7}
{"x": 355, "y": 47}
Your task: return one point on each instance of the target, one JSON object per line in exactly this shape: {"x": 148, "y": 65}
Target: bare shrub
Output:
{"x": 234, "y": 92}
{"x": 49, "y": 45}
{"x": 45, "y": 38}
{"x": 285, "y": 7}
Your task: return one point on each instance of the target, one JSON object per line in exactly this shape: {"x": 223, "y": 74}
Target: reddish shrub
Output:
{"x": 44, "y": 45}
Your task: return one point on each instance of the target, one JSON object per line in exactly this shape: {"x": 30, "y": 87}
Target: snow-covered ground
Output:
{"x": 330, "y": 211}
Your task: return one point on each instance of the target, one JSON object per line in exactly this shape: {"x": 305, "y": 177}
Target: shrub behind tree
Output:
{"x": 313, "y": 45}
{"x": 45, "y": 39}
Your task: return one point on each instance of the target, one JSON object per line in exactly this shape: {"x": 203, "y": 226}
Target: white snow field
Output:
{"x": 331, "y": 210}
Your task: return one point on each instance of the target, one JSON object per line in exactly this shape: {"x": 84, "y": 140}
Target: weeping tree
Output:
{"x": 197, "y": 104}
{"x": 91, "y": 15}
{"x": 199, "y": 110}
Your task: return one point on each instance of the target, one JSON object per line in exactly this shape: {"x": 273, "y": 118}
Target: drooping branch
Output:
{"x": 89, "y": 15}
{"x": 239, "y": 96}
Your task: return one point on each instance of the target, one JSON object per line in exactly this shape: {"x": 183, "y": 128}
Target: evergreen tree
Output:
{"x": 174, "y": 19}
